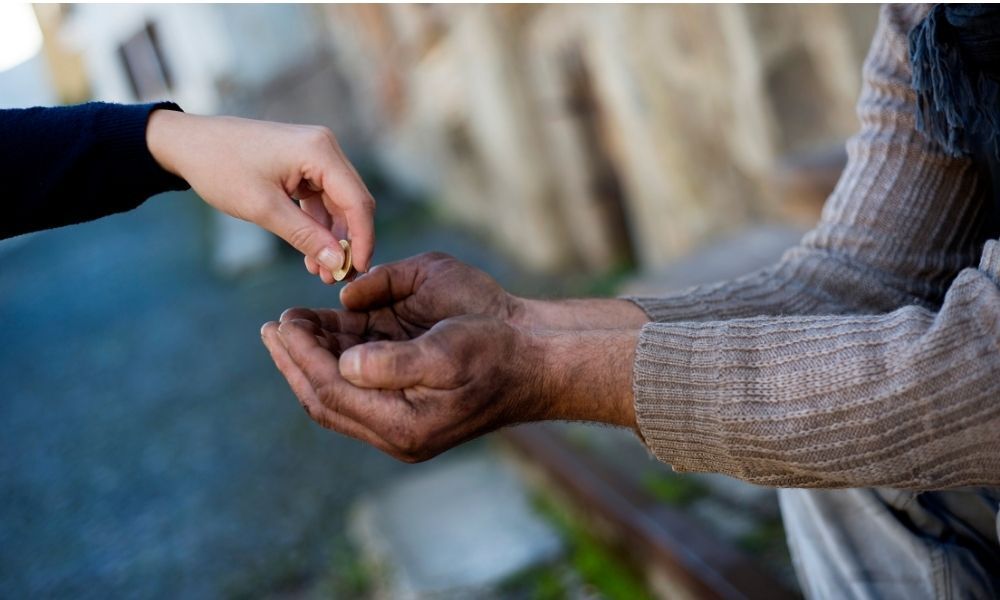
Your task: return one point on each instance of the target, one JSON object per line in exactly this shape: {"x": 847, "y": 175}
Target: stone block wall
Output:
{"x": 592, "y": 136}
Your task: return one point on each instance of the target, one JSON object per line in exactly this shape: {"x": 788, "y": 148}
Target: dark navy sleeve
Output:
{"x": 70, "y": 164}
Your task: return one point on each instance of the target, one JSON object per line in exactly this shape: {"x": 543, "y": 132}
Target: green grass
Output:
{"x": 546, "y": 582}
{"x": 353, "y": 577}
{"x": 675, "y": 490}
{"x": 767, "y": 537}
{"x": 608, "y": 283}
{"x": 597, "y": 565}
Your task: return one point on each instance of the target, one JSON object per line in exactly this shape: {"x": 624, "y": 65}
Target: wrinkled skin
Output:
{"x": 419, "y": 292}
{"x": 413, "y": 397}
{"x": 252, "y": 170}
{"x": 433, "y": 352}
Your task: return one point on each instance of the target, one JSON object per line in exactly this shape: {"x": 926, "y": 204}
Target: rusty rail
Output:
{"x": 681, "y": 558}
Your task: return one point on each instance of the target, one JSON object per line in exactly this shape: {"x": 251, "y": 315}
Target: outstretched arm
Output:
{"x": 66, "y": 165}
{"x": 905, "y": 399}
{"x": 867, "y": 357}
{"x": 70, "y": 164}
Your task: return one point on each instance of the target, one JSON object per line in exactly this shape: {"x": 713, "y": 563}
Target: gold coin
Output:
{"x": 344, "y": 269}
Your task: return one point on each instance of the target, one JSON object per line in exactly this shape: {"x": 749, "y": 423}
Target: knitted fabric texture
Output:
{"x": 69, "y": 164}
{"x": 870, "y": 354}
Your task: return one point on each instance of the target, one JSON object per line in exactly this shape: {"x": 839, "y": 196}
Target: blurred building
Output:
{"x": 191, "y": 53}
{"x": 65, "y": 64}
{"x": 588, "y": 135}
{"x": 575, "y": 136}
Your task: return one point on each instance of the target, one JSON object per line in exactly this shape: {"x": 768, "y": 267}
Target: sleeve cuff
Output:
{"x": 123, "y": 135}
{"x": 989, "y": 263}
{"x": 675, "y": 381}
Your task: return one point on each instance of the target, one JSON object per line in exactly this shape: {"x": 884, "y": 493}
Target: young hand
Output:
{"x": 253, "y": 170}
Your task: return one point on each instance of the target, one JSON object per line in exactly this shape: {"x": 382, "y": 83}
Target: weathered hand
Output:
{"x": 366, "y": 376}
{"x": 412, "y": 399}
{"x": 419, "y": 292}
{"x": 252, "y": 169}
{"x": 425, "y": 289}
{"x": 375, "y": 325}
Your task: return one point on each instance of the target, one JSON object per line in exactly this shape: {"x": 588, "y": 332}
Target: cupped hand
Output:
{"x": 419, "y": 292}
{"x": 411, "y": 398}
{"x": 375, "y": 325}
{"x": 252, "y": 170}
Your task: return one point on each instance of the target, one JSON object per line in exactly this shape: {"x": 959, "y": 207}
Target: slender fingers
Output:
{"x": 303, "y": 232}
{"x": 357, "y": 206}
{"x": 314, "y": 206}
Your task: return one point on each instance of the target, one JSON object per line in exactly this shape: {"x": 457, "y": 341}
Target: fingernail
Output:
{"x": 350, "y": 363}
{"x": 330, "y": 259}
{"x": 284, "y": 329}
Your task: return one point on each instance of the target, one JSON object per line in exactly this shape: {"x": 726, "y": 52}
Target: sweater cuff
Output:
{"x": 123, "y": 134}
{"x": 677, "y": 408}
{"x": 989, "y": 263}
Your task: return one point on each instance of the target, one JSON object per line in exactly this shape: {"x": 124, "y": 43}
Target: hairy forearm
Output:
{"x": 579, "y": 314}
{"x": 585, "y": 375}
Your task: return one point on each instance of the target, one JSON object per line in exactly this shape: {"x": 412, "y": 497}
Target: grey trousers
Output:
{"x": 882, "y": 543}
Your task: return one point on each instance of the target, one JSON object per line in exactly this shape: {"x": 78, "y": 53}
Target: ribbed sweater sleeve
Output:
{"x": 868, "y": 355}
{"x": 901, "y": 223}
{"x": 69, "y": 164}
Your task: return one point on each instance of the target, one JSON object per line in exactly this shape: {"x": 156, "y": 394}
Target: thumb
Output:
{"x": 384, "y": 365}
{"x": 372, "y": 290}
{"x": 305, "y": 234}
{"x": 388, "y": 283}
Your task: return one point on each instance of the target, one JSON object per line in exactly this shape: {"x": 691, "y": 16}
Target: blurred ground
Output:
{"x": 149, "y": 446}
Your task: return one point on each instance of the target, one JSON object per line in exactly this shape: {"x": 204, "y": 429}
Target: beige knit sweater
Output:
{"x": 870, "y": 354}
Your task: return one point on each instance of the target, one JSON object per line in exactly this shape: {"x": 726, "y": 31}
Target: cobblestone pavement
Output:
{"x": 148, "y": 447}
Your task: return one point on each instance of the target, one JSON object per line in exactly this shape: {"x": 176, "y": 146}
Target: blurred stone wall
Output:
{"x": 592, "y": 136}
{"x": 67, "y": 73}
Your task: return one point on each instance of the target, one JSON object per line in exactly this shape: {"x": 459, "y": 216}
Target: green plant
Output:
{"x": 767, "y": 537}
{"x": 673, "y": 489}
{"x": 539, "y": 583}
{"x": 353, "y": 579}
{"x": 597, "y": 565}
